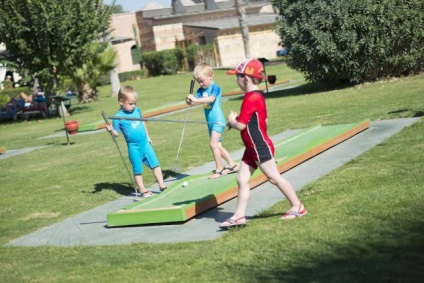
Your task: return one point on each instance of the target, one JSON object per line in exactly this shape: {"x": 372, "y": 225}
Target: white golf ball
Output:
{"x": 185, "y": 184}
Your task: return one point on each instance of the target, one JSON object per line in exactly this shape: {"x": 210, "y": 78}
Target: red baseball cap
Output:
{"x": 249, "y": 67}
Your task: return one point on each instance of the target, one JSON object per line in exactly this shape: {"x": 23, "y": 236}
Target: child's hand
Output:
{"x": 108, "y": 128}
{"x": 232, "y": 117}
{"x": 189, "y": 99}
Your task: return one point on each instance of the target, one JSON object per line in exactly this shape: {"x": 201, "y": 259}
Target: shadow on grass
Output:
{"x": 395, "y": 255}
{"x": 169, "y": 173}
{"x": 79, "y": 108}
{"x": 124, "y": 189}
{"x": 408, "y": 112}
{"x": 308, "y": 88}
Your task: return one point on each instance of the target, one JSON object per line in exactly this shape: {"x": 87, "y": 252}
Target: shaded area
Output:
{"x": 408, "y": 112}
{"x": 388, "y": 257}
{"x": 304, "y": 89}
{"x": 121, "y": 188}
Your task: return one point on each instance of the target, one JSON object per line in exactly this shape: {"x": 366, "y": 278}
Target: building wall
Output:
{"x": 149, "y": 20}
{"x": 166, "y": 35}
{"x": 159, "y": 30}
{"x": 122, "y": 25}
{"x": 263, "y": 44}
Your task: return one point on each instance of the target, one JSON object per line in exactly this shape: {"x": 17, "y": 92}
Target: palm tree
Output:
{"x": 87, "y": 77}
{"x": 244, "y": 29}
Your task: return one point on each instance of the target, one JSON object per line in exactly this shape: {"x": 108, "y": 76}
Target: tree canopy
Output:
{"x": 53, "y": 37}
{"x": 353, "y": 41}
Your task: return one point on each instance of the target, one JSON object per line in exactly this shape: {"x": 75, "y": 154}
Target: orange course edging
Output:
{"x": 260, "y": 179}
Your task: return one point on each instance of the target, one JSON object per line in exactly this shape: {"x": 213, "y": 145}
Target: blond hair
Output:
{"x": 125, "y": 92}
{"x": 202, "y": 69}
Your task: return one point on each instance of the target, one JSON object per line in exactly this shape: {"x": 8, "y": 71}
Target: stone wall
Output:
{"x": 263, "y": 44}
{"x": 122, "y": 25}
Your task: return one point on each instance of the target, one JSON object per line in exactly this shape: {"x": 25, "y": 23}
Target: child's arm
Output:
{"x": 233, "y": 123}
{"x": 201, "y": 100}
{"x": 147, "y": 132}
{"x": 110, "y": 129}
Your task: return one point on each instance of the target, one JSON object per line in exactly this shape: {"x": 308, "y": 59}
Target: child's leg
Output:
{"x": 226, "y": 155}
{"x": 214, "y": 145}
{"x": 269, "y": 168}
{"x": 139, "y": 181}
{"x": 157, "y": 171}
{"x": 243, "y": 190}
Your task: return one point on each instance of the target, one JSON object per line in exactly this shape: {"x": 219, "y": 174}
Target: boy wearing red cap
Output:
{"x": 259, "y": 152}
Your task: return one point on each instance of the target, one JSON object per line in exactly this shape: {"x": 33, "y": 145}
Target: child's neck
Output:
{"x": 252, "y": 87}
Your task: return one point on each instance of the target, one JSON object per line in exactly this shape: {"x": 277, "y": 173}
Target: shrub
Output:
{"x": 7, "y": 94}
{"x": 200, "y": 54}
{"x": 353, "y": 41}
{"x": 165, "y": 62}
{"x": 130, "y": 76}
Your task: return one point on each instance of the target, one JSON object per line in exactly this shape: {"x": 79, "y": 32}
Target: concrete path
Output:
{"x": 13, "y": 152}
{"x": 89, "y": 228}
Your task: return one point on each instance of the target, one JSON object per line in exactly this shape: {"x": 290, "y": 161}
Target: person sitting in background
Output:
{"x": 8, "y": 83}
{"x": 37, "y": 101}
{"x": 10, "y": 109}
{"x": 12, "y": 104}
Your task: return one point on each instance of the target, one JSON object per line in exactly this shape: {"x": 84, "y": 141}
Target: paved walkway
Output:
{"x": 89, "y": 228}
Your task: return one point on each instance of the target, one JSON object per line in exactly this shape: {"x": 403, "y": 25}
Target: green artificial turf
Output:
{"x": 365, "y": 221}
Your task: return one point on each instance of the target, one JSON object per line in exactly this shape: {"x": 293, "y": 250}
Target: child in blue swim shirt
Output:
{"x": 209, "y": 94}
{"x": 139, "y": 145}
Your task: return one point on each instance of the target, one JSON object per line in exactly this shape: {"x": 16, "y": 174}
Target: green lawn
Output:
{"x": 365, "y": 222}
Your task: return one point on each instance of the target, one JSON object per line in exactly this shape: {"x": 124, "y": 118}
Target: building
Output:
{"x": 195, "y": 22}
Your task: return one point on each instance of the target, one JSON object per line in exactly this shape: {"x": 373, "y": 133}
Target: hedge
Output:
{"x": 353, "y": 41}
{"x": 165, "y": 62}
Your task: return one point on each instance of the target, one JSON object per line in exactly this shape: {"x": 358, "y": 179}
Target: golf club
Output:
{"x": 160, "y": 120}
{"x": 175, "y": 167}
{"x": 120, "y": 153}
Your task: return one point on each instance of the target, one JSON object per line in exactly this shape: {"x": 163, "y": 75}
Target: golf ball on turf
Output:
{"x": 185, "y": 184}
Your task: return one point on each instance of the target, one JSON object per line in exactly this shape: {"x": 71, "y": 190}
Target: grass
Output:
{"x": 365, "y": 222}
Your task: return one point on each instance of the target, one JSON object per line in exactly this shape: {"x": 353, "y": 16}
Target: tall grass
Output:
{"x": 365, "y": 222}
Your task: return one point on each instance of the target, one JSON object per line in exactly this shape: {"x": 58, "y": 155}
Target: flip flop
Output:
{"x": 230, "y": 223}
{"x": 233, "y": 169}
{"x": 291, "y": 214}
{"x": 162, "y": 189}
{"x": 218, "y": 174}
{"x": 146, "y": 194}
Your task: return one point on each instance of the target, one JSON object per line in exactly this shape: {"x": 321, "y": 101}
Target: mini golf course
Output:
{"x": 180, "y": 203}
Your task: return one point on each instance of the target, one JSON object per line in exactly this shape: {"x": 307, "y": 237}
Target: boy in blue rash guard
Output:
{"x": 209, "y": 94}
{"x": 140, "y": 148}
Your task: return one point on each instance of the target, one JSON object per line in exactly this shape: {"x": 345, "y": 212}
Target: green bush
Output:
{"x": 200, "y": 53}
{"x": 7, "y": 94}
{"x": 165, "y": 62}
{"x": 130, "y": 76}
{"x": 353, "y": 41}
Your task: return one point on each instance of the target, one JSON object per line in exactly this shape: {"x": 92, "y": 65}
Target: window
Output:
{"x": 134, "y": 55}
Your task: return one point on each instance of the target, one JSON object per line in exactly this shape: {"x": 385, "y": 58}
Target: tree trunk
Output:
{"x": 244, "y": 29}
{"x": 86, "y": 94}
{"x": 114, "y": 82}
